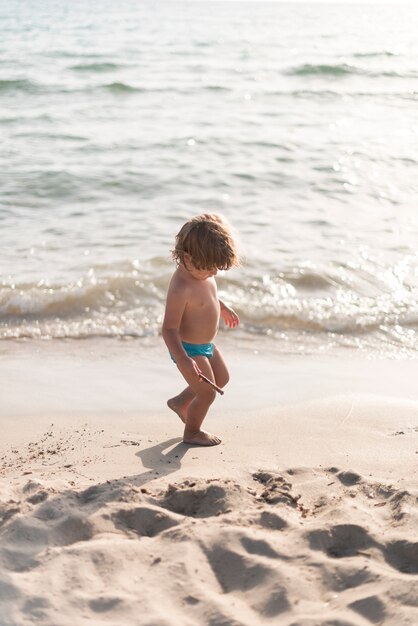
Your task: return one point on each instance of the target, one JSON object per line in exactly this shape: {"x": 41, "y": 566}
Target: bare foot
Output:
{"x": 177, "y": 408}
{"x": 201, "y": 438}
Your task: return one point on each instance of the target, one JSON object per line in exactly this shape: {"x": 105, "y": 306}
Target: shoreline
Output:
{"x": 109, "y": 375}
{"x": 277, "y": 406}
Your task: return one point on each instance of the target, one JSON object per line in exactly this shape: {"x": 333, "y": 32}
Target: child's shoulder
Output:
{"x": 179, "y": 281}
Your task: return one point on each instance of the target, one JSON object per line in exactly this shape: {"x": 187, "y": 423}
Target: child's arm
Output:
{"x": 228, "y": 315}
{"x": 174, "y": 310}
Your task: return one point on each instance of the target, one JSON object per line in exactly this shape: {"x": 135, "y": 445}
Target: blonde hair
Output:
{"x": 208, "y": 240}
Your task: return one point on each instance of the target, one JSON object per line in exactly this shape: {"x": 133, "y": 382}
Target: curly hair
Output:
{"x": 208, "y": 240}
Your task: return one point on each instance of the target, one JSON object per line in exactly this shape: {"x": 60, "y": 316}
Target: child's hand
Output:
{"x": 189, "y": 368}
{"x": 229, "y": 316}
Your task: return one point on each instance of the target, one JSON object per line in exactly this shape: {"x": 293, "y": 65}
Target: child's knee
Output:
{"x": 207, "y": 394}
{"x": 224, "y": 380}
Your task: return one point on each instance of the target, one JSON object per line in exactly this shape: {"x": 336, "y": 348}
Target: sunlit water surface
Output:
{"x": 118, "y": 121}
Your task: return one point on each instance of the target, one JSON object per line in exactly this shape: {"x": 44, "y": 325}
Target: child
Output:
{"x": 204, "y": 245}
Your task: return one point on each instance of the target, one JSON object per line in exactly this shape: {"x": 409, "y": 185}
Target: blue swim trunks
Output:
{"x": 198, "y": 349}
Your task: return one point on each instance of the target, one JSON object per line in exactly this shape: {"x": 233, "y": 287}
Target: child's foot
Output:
{"x": 180, "y": 409}
{"x": 201, "y": 438}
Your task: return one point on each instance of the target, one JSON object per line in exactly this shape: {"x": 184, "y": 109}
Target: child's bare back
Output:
{"x": 193, "y": 309}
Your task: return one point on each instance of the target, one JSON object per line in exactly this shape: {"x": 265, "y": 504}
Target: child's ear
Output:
{"x": 187, "y": 258}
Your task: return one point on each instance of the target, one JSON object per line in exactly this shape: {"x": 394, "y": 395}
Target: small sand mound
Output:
{"x": 349, "y": 478}
{"x": 72, "y": 529}
{"x": 403, "y": 556}
{"x": 372, "y": 608}
{"x": 340, "y": 541}
{"x": 204, "y": 498}
{"x": 272, "y": 521}
{"x": 146, "y": 521}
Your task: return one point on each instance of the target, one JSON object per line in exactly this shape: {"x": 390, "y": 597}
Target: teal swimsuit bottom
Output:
{"x": 198, "y": 349}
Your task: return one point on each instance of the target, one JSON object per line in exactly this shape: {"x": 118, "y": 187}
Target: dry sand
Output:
{"x": 306, "y": 515}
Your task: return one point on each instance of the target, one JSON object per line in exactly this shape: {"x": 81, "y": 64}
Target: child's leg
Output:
{"x": 204, "y": 395}
{"x": 219, "y": 368}
{"x": 180, "y": 403}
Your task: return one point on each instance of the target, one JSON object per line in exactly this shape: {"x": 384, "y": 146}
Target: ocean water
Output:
{"x": 298, "y": 122}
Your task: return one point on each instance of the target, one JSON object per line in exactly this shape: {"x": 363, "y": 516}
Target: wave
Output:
{"x": 328, "y": 94}
{"x": 70, "y": 54}
{"x": 327, "y": 315}
{"x": 30, "y": 87}
{"x": 18, "y": 84}
{"x": 51, "y": 135}
{"x": 96, "y": 67}
{"x": 130, "y": 302}
{"x": 219, "y": 88}
{"x": 344, "y": 69}
{"x": 118, "y": 87}
{"x": 81, "y": 297}
{"x": 377, "y": 53}
{"x": 308, "y": 69}
{"x": 112, "y": 306}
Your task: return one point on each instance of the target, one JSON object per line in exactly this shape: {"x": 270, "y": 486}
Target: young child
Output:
{"x": 204, "y": 245}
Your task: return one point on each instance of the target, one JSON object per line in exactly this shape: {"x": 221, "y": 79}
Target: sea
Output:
{"x": 120, "y": 120}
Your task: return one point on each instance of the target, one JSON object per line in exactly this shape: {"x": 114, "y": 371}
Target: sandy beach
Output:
{"x": 296, "y": 121}
{"x": 304, "y": 515}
